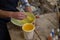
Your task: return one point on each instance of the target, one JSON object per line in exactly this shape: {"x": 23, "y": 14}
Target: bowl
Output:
{"x": 30, "y": 19}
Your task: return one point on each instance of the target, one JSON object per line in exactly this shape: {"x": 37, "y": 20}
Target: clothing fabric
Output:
{"x": 4, "y": 34}
{"x": 8, "y": 5}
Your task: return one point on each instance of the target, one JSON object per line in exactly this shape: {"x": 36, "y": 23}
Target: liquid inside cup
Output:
{"x": 28, "y": 27}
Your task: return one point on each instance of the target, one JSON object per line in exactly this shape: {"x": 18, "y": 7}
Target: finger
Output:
{"x": 21, "y": 18}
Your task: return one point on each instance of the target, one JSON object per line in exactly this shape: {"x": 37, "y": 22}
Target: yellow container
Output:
{"x": 28, "y": 30}
{"x": 28, "y": 27}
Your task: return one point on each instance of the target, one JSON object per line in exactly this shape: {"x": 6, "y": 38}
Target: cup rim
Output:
{"x": 29, "y": 30}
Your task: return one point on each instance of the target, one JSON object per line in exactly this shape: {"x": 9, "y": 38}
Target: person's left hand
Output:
{"x": 28, "y": 9}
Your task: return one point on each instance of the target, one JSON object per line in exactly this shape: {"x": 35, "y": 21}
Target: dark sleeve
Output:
{"x": 8, "y": 5}
{"x": 5, "y": 5}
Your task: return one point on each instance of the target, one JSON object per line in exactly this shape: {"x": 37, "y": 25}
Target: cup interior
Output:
{"x": 28, "y": 27}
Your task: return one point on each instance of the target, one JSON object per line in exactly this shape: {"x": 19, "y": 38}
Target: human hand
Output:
{"x": 28, "y": 9}
{"x": 19, "y": 15}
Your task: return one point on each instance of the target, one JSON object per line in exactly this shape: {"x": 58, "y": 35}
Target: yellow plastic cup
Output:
{"x": 28, "y": 30}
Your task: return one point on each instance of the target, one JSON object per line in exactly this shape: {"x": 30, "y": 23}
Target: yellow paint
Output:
{"x": 30, "y": 18}
{"x": 28, "y": 27}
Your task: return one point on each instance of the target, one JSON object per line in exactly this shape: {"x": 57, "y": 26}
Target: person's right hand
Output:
{"x": 19, "y": 15}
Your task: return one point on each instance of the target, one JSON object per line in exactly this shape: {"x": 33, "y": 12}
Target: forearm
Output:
{"x": 4, "y": 14}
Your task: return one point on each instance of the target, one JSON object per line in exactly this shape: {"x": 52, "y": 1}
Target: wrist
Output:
{"x": 11, "y": 14}
{"x": 14, "y": 14}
